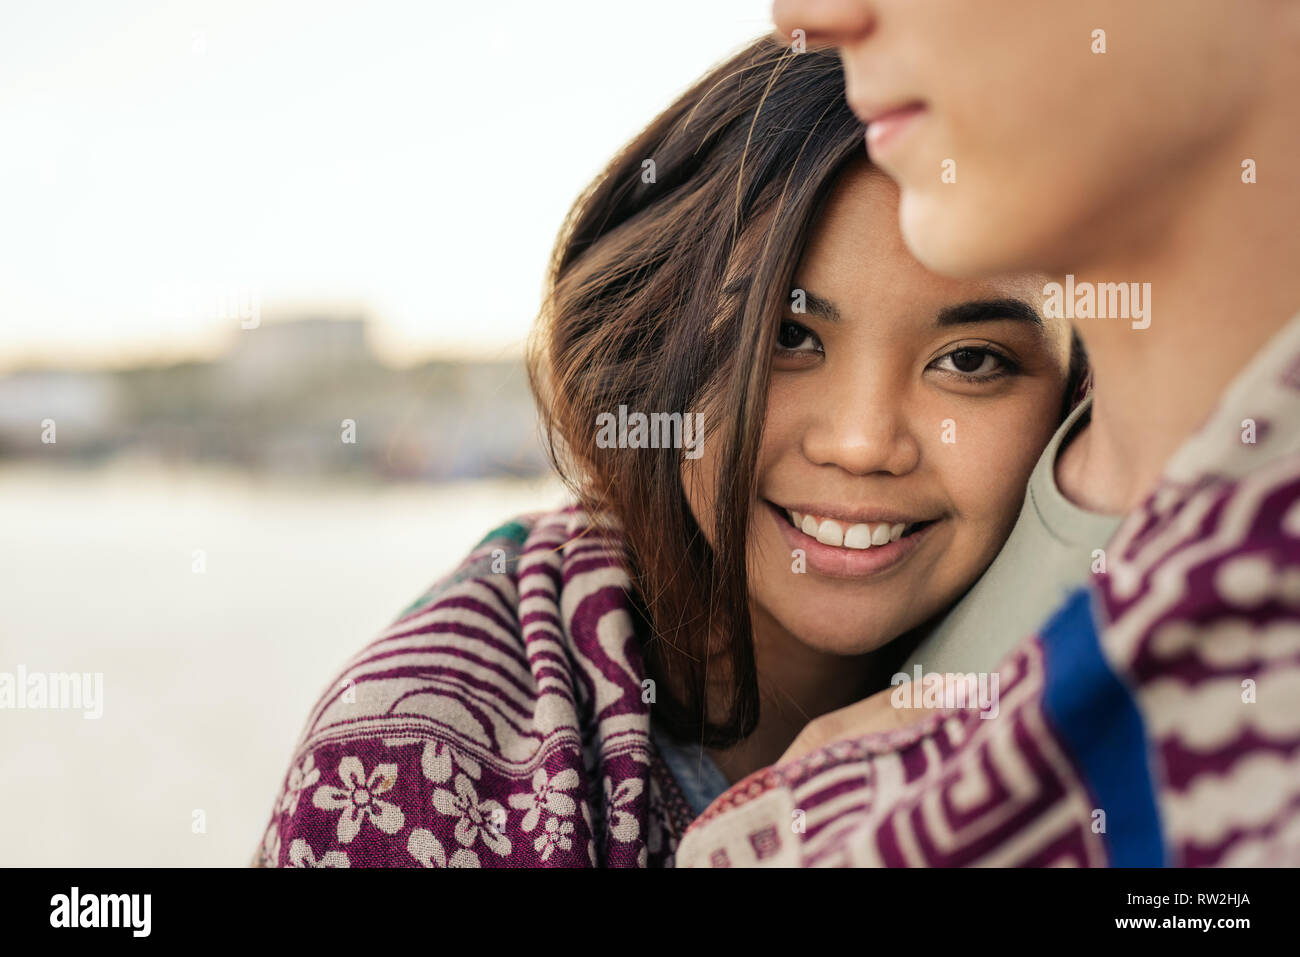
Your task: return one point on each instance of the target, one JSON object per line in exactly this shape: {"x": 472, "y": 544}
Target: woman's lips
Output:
{"x": 840, "y": 562}
{"x": 885, "y": 131}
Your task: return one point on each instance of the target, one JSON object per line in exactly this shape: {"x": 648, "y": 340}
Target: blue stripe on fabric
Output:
{"x": 1095, "y": 714}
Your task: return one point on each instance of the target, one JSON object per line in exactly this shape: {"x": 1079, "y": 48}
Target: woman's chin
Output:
{"x": 817, "y": 633}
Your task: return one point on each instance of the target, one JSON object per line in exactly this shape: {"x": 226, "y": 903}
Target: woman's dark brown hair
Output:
{"x": 664, "y": 292}
{"x": 666, "y": 289}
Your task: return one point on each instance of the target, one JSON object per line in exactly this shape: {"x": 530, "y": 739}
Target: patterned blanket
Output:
{"x": 500, "y": 722}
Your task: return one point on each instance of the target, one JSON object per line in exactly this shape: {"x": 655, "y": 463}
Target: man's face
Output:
{"x": 1034, "y": 133}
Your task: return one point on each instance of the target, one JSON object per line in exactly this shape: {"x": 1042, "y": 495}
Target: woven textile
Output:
{"x": 501, "y": 721}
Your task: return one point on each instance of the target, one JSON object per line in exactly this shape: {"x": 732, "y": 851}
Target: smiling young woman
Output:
{"x": 534, "y": 707}
{"x": 902, "y": 416}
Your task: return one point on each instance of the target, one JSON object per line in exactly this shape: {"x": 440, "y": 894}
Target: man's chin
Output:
{"x": 944, "y": 241}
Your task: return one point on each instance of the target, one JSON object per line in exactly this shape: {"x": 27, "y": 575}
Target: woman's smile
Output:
{"x": 844, "y": 549}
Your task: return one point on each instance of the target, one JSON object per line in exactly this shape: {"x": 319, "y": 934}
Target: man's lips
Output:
{"x": 871, "y": 112}
{"x": 886, "y": 126}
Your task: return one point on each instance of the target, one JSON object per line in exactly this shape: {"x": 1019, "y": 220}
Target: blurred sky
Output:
{"x": 414, "y": 159}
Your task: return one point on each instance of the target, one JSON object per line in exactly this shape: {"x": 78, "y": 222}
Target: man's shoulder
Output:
{"x": 1202, "y": 603}
{"x": 1223, "y": 547}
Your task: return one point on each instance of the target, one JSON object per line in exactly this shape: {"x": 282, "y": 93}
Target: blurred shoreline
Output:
{"x": 217, "y": 604}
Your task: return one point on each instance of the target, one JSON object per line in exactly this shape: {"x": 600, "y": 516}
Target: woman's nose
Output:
{"x": 862, "y": 438}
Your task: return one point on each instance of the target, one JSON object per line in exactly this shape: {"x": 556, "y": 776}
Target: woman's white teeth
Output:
{"x": 858, "y": 536}
{"x": 830, "y": 532}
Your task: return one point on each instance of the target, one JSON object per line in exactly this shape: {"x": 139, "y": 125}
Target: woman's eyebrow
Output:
{"x": 979, "y": 310}
{"x": 988, "y": 310}
{"x": 819, "y": 307}
{"x": 806, "y": 301}
{"x": 801, "y": 300}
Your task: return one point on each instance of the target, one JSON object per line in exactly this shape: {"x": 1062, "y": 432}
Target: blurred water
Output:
{"x": 207, "y": 677}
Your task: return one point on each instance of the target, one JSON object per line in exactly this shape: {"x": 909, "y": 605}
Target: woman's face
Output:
{"x": 904, "y": 416}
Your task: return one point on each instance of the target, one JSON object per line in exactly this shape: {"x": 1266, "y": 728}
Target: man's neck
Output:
{"x": 1225, "y": 276}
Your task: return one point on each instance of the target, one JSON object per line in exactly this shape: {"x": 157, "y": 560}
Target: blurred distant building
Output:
{"x": 278, "y": 402}
{"x": 82, "y": 405}
{"x": 263, "y": 355}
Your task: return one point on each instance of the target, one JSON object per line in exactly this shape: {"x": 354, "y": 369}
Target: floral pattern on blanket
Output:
{"x": 498, "y": 723}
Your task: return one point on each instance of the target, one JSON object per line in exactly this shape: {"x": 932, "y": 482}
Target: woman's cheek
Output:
{"x": 986, "y": 469}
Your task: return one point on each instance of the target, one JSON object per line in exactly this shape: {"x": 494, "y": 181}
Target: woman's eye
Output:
{"x": 792, "y": 337}
{"x": 974, "y": 363}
